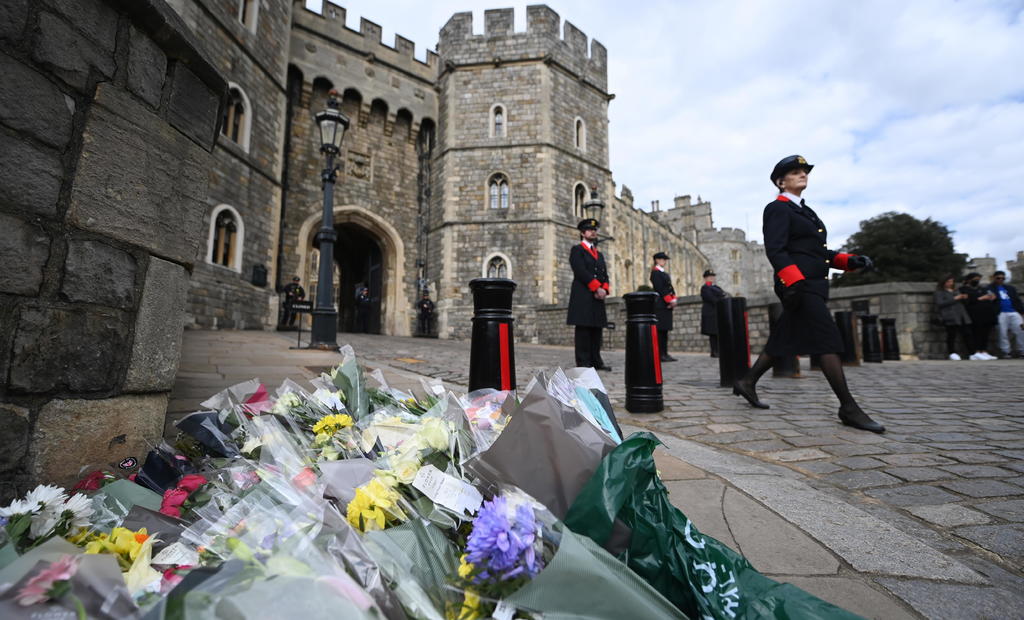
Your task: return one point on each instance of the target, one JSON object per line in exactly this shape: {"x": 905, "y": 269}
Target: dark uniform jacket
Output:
{"x": 662, "y": 282}
{"x": 294, "y": 292}
{"x": 425, "y": 307}
{"x": 589, "y": 273}
{"x": 710, "y": 294}
{"x": 981, "y": 311}
{"x": 795, "y": 242}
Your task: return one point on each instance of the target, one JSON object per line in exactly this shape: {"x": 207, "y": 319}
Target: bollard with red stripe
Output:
{"x": 643, "y": 360}
{"x": 492, "y": 362}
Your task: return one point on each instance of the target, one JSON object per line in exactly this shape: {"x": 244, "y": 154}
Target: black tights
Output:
{"x": 831, "y": 367}
{"x": 965, "y": 333}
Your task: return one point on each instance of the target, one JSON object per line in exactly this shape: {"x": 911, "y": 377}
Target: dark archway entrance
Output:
{"x": 357, "y": 254}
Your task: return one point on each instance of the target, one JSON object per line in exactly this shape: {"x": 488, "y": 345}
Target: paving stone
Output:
{"x": 954, "y": 601}
{"x": 735, "y": 437}
{"x": 977, "y": 471}
{"x": 789, "y": 456}
{"x": 861, "y": 479}
{"x": 982, "y": 488}
{"x": 854, "y": 449}
{"x": 725, "y": 428}
{"x": 818, "y": 467}
{"x": 770, "y": 543}
{"x": 767, "y": 445}
{"x": 956, "y": 446}
{"x": 671, "y": 468}
{"x": 916, "y": 460}
{"x": 859, "y": 462}
{"x": 852, "y": 594}
{"x": 701, "y": 502}
{"x": 949, "y": 515}
{"x": 1005, "y": 540}
{"x": 805, "y": 441}
{"x": 974, "y": 457}
{"x": 918, "y": 474}
{"x": 913, "y": 495}
{"x": 1011, "y": 510}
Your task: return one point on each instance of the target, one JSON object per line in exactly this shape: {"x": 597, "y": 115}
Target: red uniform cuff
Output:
{"x": 669, "y": 298}
{"x": 594, "y": 285}
{"x": 841, "y": 260}
{"x": 790, "y": 275}
{"x": 605, "y": 286}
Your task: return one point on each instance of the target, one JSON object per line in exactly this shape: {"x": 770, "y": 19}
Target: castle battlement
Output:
{"x": 331, "y": 25}
{"x": 501, "y": 43}
{"x": 724, "y": 234}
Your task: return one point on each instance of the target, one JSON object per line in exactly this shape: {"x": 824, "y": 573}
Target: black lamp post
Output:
{"x": 332, "y": 124}
{"x": 593, "y": 208}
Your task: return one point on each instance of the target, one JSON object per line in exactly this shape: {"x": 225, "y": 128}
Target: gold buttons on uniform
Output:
{"x": 824, "y": 245}
{"x": 821, "y": 230}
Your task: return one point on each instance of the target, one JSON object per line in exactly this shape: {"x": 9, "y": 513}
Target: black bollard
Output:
{"x": 643, "y": 360}
{"x": 733, "y": 341}
{"x": 492, "y": 360}
{"x": 890, "y": 343}
{"x": 844, "y": 321}
{"x": 788, "y": 365}
{"x": 871, "y": 347}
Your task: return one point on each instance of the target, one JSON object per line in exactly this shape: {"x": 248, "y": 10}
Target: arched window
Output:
{"x": 246, "y": 14}
{"x": 497, "y": 266}
{"x": 225, "y": 239}
{"x": 497, "y": 192}
{"x": 581, "y": 134}
{"x": 237, "y": 117}
{"x": 498, "y": 121}
{"x": 579, "y": 198}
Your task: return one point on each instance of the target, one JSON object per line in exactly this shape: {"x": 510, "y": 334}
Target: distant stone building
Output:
{"x": 475, "y": 162}
{"x": 985, "y": 265}
{"x": 1016, "y": 268}
{"x": 741, "y": 265}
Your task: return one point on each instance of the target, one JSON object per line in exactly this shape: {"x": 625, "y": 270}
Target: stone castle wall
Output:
{"x": 108, "y": 112}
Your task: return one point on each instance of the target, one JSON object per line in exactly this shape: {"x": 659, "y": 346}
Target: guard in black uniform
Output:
{"x": 666, "y": 303}
{"x": 292, "y": 292}
{"x": 586, "y": 297}
{"x": 795, "y": 242}
{"x": 363, "y": 303}
{"x": 425, "y": 313}
{"x": 710, "y": 293}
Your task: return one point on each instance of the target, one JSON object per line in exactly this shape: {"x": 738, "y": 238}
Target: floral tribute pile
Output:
{"x": 356, "y": 500}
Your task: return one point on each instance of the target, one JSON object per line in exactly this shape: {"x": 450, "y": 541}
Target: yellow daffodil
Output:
{"x": 122, "y": 543}
{"x": 330, "y": 424}
{"x": 363, "y": 515}
{"x": 465, "y": 568}
{"x": 470, "y": 607}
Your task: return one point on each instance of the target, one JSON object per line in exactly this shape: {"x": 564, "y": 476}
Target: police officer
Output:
{"x": 292, "y": 292}
{"x": 710, "y": 293}
{"x": 363, "y": 303}
{"x": 425, "y": 313}
{"x": 795, "y": 242}
{"x": 586, "y": 297}
{"x": 666, "y": 303}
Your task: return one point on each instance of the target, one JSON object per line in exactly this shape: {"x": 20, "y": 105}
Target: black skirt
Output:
{"x": 810, "y": 330}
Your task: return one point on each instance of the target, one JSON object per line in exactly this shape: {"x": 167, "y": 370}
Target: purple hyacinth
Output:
{"x": 499, "y": 548}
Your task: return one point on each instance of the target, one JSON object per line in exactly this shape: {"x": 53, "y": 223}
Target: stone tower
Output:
{"x": 523, "y": 136}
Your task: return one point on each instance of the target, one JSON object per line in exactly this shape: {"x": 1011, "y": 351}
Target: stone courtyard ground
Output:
{"x": 926, "y": 520}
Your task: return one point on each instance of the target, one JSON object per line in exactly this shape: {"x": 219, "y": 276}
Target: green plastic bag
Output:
{"x": 701, "y": 576}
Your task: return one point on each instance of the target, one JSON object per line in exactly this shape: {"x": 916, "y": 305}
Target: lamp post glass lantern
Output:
{"x": 593, "y": 207}
{"x": 332, "y": 124}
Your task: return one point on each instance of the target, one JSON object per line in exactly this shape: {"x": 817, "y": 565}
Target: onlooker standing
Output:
{"x": 1010, "y": 311}
{"x": 983, "y": 310}
{"x": 953, "y": 314}
{"x": 710, "y": 293}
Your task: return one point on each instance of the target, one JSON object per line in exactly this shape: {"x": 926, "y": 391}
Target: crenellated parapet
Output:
{"x": 331, "y": 27}
{"x": 546, "y": 37}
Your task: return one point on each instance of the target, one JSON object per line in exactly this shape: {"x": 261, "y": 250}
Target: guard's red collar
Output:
{"x": 783, "y": 198}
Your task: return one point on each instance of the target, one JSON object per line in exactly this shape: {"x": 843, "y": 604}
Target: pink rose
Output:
{"x": 91, "y": 482}
{"x": 191, "y": 482}
{"x": 173, "y": 499}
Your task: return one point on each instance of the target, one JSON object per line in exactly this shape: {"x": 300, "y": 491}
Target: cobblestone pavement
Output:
{"x": 932, "y": 511}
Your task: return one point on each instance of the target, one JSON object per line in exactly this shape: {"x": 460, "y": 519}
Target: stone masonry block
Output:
{"x": 94, "y": 18}
{"x": 70, "y": 54}
{"x": 96, "y": 273}
{"x": 30, "y": 176}
{"x": 72, "y": 434}
{"x": 147, "y": 65}
{"x": 31, "y": 103}
{"x": 12, "y": 18}
{"x": 139, "y": 180}
{"x": 193, "y": 107}
{"x": 57, "y": 349}
{"x": 14, "y": 440}
{"x": 158, "y": 328}
{"x": 24, "y": 249}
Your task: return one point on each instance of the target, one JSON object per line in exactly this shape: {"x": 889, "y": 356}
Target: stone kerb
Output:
{"x": 105, "y": 152}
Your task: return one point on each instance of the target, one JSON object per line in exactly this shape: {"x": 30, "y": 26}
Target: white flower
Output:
{"x": 329, "y": 399}
{"x": 434, "y": 433}
{"x": 80, "y": 508}
{"x": 286, "y": 402}
{"x": 43, "y": 522}
{"x": 18, "y": 507}
{"x": 45, "y": 495}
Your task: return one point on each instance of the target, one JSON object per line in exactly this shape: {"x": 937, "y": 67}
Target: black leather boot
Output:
{"x": 852, "y": 415}
{"x": 739, "y": 388}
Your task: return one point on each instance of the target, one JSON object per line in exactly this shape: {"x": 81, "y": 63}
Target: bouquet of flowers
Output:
{"x": 44, "y": 513}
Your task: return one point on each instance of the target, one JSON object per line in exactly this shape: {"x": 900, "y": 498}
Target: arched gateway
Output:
{"x": 368, "y": 252}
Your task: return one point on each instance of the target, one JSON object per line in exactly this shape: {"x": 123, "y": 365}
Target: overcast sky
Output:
{"x": 906, "y": 105}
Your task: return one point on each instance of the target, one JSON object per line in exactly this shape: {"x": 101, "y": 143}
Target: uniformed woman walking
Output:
{"x": 794, "y": 240}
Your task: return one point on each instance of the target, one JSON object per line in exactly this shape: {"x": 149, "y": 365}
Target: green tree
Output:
{"x": 904, "y": 249}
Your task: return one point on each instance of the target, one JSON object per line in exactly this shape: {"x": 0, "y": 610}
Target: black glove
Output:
{"x": 792, "y": 294}
{"x": 860, "y": 262}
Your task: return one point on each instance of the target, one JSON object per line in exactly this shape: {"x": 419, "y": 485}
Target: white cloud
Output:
{"x": 915, "y": 106}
